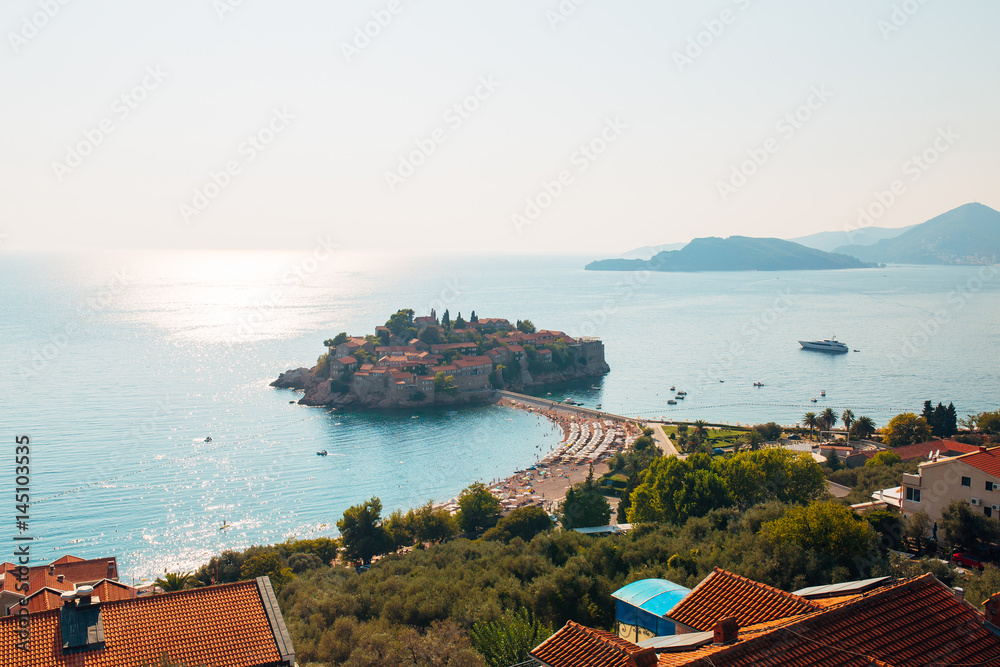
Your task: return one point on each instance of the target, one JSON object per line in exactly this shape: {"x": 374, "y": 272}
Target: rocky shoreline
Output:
{"x": 317, "y": 391}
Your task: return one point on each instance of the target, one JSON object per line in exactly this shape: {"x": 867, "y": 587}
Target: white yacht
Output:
{"x": 831, "y": 345}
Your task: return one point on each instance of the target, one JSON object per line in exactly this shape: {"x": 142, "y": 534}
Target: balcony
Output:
{"x": 911, "y": 480}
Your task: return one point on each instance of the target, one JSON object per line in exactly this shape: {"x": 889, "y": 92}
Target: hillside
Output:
{"x": 969, "y": 234}
{"x": 736, "y": 253}
{"x": 863, "y": 236}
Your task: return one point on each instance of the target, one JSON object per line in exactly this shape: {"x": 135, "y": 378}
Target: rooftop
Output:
{"x": 987, "y": 461}
{"x": 235, "y": 625}
{"x": 722, "y": 594}
{"x": 577, "y": 645}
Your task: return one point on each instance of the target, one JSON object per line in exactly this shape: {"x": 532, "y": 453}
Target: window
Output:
{"x": 966, "y": 481}
{"x": 987, "y": 511}
{"x": 989, "y": 486}
{"x": 913, "y": 494}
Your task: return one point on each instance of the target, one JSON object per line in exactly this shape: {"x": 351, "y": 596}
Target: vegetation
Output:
{"x": 864, "y": 428}
{"x": 523, "y": 522}
{"x": 868, "y": 479}
{"x": 943, "y": 421}
{"x": 585, "y": 505}
{"x": 479, "y": 509}
{"x": 673, "y": 490}
{"x": 362, "y": 532}
{"x": 883, "y": 458}
{"x": 906, "y": 429}
{"x": 177, "y": 581}
{"x": 507, "y": 640}
{"x": 966, "y": 528}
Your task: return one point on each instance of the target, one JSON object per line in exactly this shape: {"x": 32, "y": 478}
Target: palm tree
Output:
{"x": 811, "y": 420}
{"x": 864, "y": 427}
{"x": 176, "y": 581}
{"x": 699, "y": 426}
{"x": 828, "y": 417}
{"x": 848, "y": 419}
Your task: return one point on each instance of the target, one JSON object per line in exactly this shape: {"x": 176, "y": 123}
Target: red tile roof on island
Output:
{"x": 232, "y": 625}
{"x": 921, "y": 450}
{"x": 722, "y": 594}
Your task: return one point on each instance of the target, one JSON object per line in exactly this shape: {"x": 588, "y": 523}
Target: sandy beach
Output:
{"x": 588, "y": 440}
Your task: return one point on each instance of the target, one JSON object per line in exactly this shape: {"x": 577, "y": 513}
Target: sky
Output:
{"x": 522, "y": 126}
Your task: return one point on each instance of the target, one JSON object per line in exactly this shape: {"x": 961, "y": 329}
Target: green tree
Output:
{"x": 479, "y": 509}
{"x": 523, "y": 522}
{"x": 772, "y": 474}
{"x": 811, "y": 420}
{"x": 446, "y": 320}
{"x": 906, "y": 429}
{"x": 267, "y": 564}
{"x": 508, "y": 640}
{"x": 445, "y": 383}
{"x": 362, "y": 531}
{"x": 433, "y": 524}
{"x": 988, "y": 422}
{"x": 339, "y": 339}
{"x": 671, "y": 490}
{"x": 432, "y": 335}
{"x": 966, "y": 528}
{"x": 400, "y": 528}
{"x": 474, "y": 318}
{"x": 459, "y": 322}
{"x": 864, "y": 428}
{"x": 883, "y": 458}
{"x": 584, "y": 506}
{"x": 753, "y": 439}
{"x": 400, "y": 321}
{"x": 823, "y": 527}
{"x": 848, "y": 419}
{"x": 525, "y": 326}
{"x": 171, "y": 581}
{"x": 828, "y": 418}
{"x": 770, "y": 430}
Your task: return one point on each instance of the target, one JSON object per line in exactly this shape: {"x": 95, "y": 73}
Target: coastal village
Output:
{"x": 424, "y": 361}
{"x": 906, "y": 604}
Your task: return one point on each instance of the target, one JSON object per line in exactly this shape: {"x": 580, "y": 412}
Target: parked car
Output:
{"x": 967, "y": 560}
{"x": 718, "y": 451}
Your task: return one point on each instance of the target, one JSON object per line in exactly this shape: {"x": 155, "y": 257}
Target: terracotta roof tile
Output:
{"x": 988, "y": 461}
{"x": 218, "y": 626}
{"x": 575, "y": 645}
{"x": 914, "y": 622}
{"x": 920, "y": 450}
{"x": 722, "y": 594}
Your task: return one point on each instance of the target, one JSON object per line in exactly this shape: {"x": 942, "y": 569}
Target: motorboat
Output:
{"x": 682, "y": 393}
{"x": 822, "y": 392}
{"x": 321, "y": 452}
{"x": 827, "y": 345}
{"x": 671, "y": 402}
{"x": 672, "y": 387}
{"x": 208, "y": 439}
{"x": 813, "y": 400}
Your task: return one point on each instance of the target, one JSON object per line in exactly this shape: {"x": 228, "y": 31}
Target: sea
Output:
{"x": 118, "y": 365}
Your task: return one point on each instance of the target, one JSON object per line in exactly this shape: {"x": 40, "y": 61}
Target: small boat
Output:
{"x": 672, "y": 387}
{"x": 680, "y": 396}
{"x": 813, "y": 400}
{"x": 822, "y": 392}
{"x": 598, "y": 406}
{"x": 208, "y": 439}
{"x": 758, "y": 384}
{"x": 569, "y": 401}
{"x": 721, "y": 380}
{"x": 682, "y": 393}
{"x": 321, "y": 452}
{"x": 671, "y": 402}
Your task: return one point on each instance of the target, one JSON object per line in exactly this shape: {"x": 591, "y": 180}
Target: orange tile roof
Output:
{"x": 232, "y": 625}
{"x": 921, "y": 449}
{"x": 987, "y": 461}
{"x": 575, "y": 645}
{"x": 723, "y": 594}
{"x": 913, "y": 622}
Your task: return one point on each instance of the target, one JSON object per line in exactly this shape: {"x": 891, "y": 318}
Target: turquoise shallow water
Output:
{"x": 117, "y": 365}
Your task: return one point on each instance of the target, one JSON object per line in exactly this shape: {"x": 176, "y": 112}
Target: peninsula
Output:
{"x": 423, "y": 361}
{"x": 736, "y": 253}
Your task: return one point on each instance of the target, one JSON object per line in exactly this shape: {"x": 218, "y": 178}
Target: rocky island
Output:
{"x": 423, "y": 361}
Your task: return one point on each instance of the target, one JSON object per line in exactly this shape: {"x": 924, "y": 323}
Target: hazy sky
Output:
{"x": 265, "y": 124}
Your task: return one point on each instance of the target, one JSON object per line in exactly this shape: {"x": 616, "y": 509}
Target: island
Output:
{"x": 414, "y": 362}
{"x": 736, "y": 253}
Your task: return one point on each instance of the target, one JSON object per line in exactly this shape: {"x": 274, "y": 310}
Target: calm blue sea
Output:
{"x": 118, "y": 365}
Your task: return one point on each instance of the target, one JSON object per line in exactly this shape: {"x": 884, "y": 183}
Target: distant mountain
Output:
{"x": 969, "y": 234}
{"x": 830, "y": 241}
{"x": 736, "y": 253}
{"x": 647, "y": 251}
